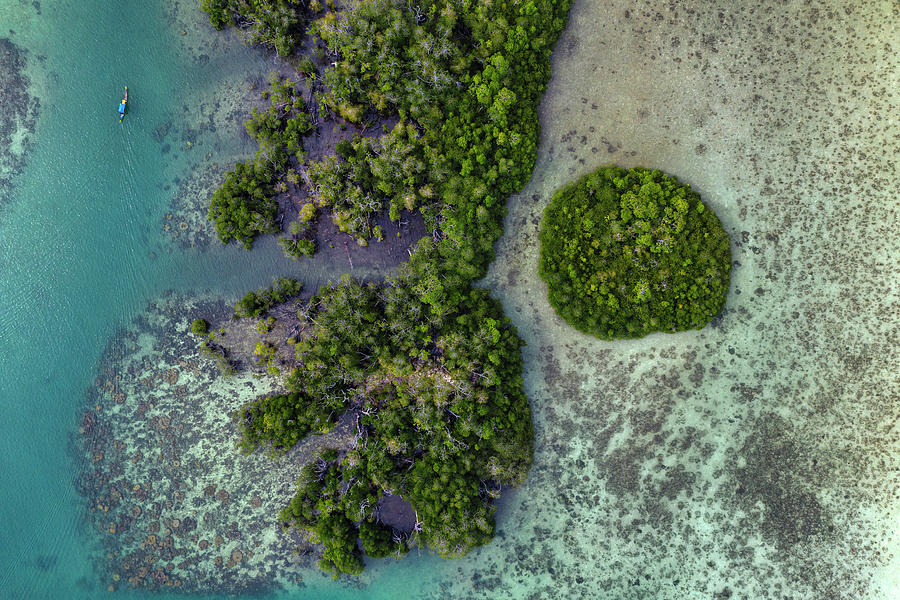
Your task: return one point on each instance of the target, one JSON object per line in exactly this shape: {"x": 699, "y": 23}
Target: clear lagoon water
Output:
{"x": 757, "y": 458}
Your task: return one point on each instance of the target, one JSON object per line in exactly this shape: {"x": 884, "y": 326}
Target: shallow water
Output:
{"x": 756, "y": 458}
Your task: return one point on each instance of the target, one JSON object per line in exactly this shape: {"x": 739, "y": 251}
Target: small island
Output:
{"x": 626, "y": 252}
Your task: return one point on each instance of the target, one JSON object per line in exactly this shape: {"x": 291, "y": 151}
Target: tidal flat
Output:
{"x": 758, "y": 457}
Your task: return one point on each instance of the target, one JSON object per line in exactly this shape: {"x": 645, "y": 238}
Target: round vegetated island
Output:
{"x": 627, "y": 252}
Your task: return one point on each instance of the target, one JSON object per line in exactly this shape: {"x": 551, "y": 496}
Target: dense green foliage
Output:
{"x": 278, "y": 422}
{"x": 244, "y": 206}
{"x": 315, "y": 505}
{"x": 628, "y": 252}
{"x": 464, "y": 78}
{"x": 199, "y": 327}
{"x": 344, "y": 186}
{"x": 298, "y": 242}
{"x": 280, "y": 129}
{"x": 295, "y": 247}
{"x": 274, "y": 23}
{"x": 380, "y": 541}
{"x": 253, "y": 304}
{"x": 426, "y": 365}
{"x": 440, "y": 414}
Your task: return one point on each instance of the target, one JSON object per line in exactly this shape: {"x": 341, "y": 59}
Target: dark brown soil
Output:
{"x": 397, "y": 513}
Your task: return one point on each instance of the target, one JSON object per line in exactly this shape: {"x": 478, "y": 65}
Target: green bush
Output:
{"x": 467, "y": 128}
{"x": 307, "y": 67}
{"x": 276, "y": 423}
{"x": 629, "y": 252}
{"x": 255, "y": 303}
{"x": 466, "y": 135}
{"x": 277, "y": 24}
{"x": 280, "y": 129}
{"x": 218, "y": 12}
{"x": 295, "y": 247}
{"x": 243, "y": 207}
{"x": 379, "y": 541}
{"x": 199, "y": 327}
{"x": 341, "y": 555}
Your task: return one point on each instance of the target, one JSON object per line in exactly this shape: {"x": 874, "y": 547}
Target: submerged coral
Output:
{"x": 18, "y": 111}
{"x": 173, "y": 501}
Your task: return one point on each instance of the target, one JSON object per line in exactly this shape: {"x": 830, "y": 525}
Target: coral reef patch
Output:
{"x": 18, "y": 112}
{"x": 173, "y": 501}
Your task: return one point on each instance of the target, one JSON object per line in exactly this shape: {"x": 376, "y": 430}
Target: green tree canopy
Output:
{"x": 440, "y": 415}
{"x": 626, "y": 252}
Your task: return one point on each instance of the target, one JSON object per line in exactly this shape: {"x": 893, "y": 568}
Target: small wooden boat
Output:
{"x": 122, "y": 105}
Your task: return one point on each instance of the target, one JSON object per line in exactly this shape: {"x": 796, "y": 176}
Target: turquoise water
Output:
{"x": 791, "y": 399}
{"x": 82, "y": 251}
